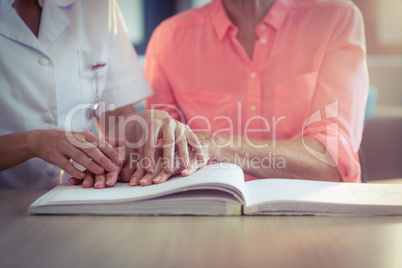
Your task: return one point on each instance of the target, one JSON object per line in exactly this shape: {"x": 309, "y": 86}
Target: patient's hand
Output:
{"x": 144, "y": 178}
{"x": 177, "y": 139}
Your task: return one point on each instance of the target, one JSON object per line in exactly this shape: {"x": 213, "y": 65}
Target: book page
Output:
{"x": 222, "y": 176}
{"x": 195, "y": 202}
{"x": 342, "y": 193}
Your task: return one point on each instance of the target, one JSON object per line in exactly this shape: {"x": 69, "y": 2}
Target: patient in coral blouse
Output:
{"x": 276, "y": 87}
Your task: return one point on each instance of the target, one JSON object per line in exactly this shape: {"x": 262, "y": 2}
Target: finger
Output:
{"x": 191, "y": 168}
{"x": 100, "y": 181}
{"x": 129, "y": 167}
{"x": 123, "y": 152}
{"x": 81, "y": 158}
{"x": 62, "y": 162}
{"x": 99, "y": 157}
{"x": 111, "y": 177}
{"x": 74, "y": 181}
{"x": 168, "y": 139}
{"x": 195, "y": 144}
{"x": 126, "y": 173}
{"x": 162, "y": 177}
{"x": 149, "y": 149}
{"x": 103, "y": 151}
{"x": 177, "y": 163}
{"x": 149, "y": 177}
{"x": 88, "y": 181}
{"x": 182, "y": 148}
{"x": 136, "y": 162}
{"x": 137, "y": 176}
{"x": 131, "y": 159}
{"x": 141, "y": 153}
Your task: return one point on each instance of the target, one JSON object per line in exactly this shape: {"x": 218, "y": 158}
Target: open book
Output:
{"x": 219, "y": 189}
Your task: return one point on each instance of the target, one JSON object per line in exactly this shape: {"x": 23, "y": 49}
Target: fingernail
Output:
{"x": 157, "y": 179}
{"x": 85, "y": 182}
{"x": 97, "y": 183}
{"x": 109, "y": 180}
{"x": 144, "y": 180}
{"x": 133, "y": 183}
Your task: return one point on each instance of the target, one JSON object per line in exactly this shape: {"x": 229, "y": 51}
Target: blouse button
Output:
{"x": 48, "y": 118}
{"x": 50, "y": 170}
{"x": 43, "y": 61}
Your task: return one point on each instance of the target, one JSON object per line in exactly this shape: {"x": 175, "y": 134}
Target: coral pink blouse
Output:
{"x": 307, "y": 76}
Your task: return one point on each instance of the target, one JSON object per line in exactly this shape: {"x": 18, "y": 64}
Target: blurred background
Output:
{"x": 381, "y": 153}
{"x": 143, "y": 16}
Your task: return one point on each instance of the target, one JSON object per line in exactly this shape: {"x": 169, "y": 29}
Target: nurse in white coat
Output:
{"x": 58, "y": 59}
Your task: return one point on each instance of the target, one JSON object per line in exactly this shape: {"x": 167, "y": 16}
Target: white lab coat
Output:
{"x": 43, "y": 78}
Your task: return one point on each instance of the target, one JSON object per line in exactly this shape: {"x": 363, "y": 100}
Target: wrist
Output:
{"x": 219, "y": 144}
{"x": 31, "y": 141}
{"x": 213, "y": 145}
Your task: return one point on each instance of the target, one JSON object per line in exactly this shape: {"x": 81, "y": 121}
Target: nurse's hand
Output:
{"x": 158, "y": 124}
{"x": 100, "y": 181}
{"x": 58, "y": 147}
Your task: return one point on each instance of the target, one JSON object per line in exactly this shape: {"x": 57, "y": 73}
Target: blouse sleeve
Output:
{"x": 339, "y": 102}
{"x": 126, "y": 82}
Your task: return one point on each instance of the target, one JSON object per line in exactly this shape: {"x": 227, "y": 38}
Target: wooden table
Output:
{"x": 260, "y": 241}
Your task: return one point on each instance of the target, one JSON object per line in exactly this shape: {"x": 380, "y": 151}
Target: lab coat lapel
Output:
{"x": 14, "y": 28}
{"x": 53, "y": 23}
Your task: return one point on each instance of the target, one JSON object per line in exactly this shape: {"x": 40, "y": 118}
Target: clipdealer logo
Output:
{"x": 332, "y": 137}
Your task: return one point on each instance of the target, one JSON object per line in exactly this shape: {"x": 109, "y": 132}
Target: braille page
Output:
{"x": 316, "y": 193}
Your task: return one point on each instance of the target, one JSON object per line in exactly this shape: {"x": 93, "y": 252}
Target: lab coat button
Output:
{"x": 253, "y": 108}
{"x": 48, "y": 118}
{"x": 43, "y": 61}
{"x": 253, "y": 75}
{"x": 262, "y": 27}
{"x": 263, "y": 41}
{"x": 50, "y": 170}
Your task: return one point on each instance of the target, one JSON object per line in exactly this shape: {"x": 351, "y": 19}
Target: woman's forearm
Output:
{"x": 280, "y": 159}
{"x": 16, "y": 148}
